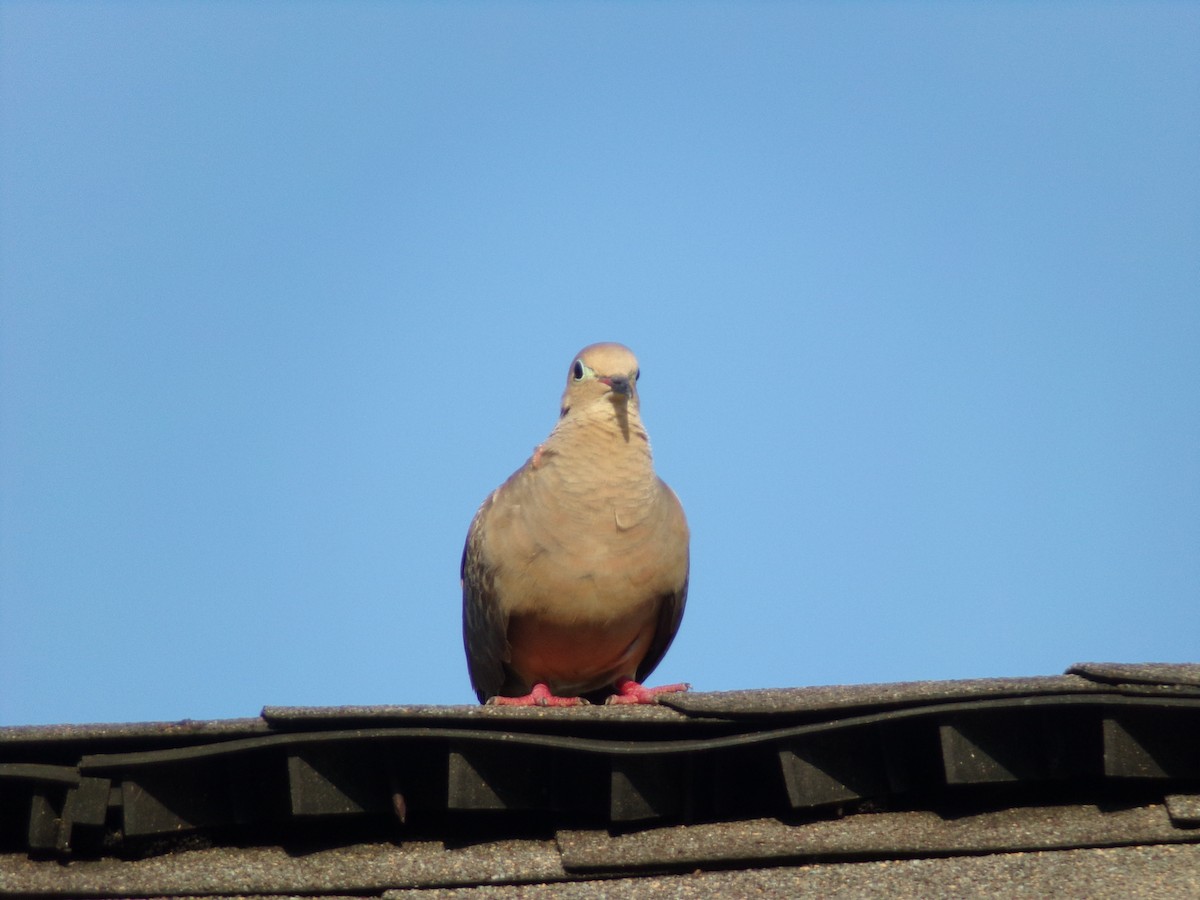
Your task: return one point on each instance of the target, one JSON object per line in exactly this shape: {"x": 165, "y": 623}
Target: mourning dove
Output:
{"x": 575, "y": 570}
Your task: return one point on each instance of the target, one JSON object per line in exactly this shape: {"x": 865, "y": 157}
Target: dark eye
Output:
{"x": 577, "y": 370}
{"x": 637, "y": 374}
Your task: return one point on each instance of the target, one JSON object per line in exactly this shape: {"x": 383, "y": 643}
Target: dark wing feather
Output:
{"x": 484, "y": 623}
{"x": 670, "y": 609}
{"x": 670, "y": 614}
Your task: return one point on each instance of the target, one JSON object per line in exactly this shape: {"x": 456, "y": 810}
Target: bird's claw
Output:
{"x": 630, "y": 692}
{"x": 540, "y": 695}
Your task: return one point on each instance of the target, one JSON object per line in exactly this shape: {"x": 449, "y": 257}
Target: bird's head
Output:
{"x": 602, "y": 373}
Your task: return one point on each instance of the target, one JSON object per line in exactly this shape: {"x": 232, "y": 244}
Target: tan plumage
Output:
{"x": 575, "y": 569}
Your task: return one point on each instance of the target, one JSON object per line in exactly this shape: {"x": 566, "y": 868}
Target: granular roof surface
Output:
{"x": 1085, "y": 784}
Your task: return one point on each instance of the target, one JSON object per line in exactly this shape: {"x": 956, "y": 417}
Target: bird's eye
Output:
{"x": 637, "y": 374}
{"x": 577, "y": 370}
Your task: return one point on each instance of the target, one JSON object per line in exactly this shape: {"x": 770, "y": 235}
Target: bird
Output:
{"x": 575, "y": 570}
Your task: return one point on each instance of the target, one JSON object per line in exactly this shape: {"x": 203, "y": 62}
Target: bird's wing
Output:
{"x": 484, "y": 621}
{"x": 670, "y": 610}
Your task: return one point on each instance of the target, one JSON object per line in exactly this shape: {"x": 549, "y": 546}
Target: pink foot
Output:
{"x": 629, "y": 691}
{"x": 539, "y": 696}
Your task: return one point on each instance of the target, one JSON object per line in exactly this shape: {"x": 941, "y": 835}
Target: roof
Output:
{"x": 1084, "y": 783}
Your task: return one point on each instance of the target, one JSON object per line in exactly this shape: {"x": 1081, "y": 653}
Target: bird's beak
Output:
{"x": 619, "y": 384}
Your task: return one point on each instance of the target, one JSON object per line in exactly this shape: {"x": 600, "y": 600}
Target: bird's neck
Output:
{"x": 611, "y": 440}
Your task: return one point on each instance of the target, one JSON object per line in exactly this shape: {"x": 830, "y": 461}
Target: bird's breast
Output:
{"x": 587, "y": 534}
{"x": 587, "y": 564}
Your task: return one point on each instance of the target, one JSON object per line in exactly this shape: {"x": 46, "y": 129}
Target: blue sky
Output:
{"x": 287, "y": 289}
